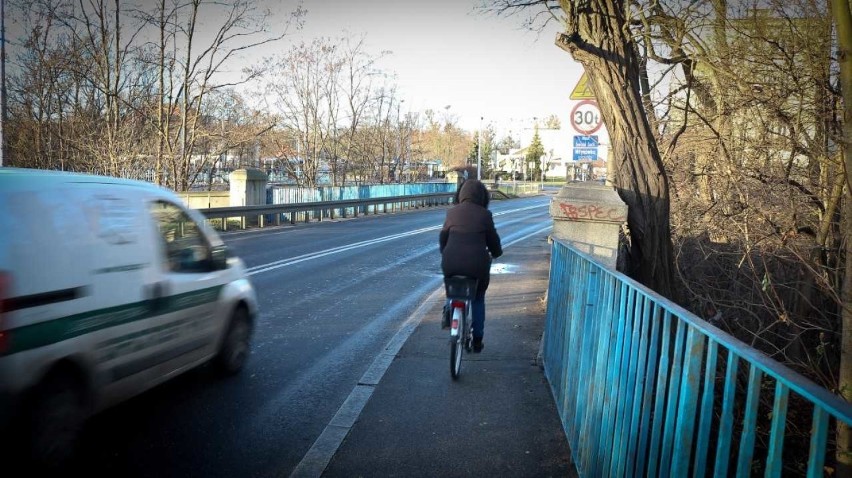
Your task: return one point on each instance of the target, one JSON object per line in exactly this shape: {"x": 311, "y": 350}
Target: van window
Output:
{"x": 114, "y": 219}
{"x": 184, "y": 246}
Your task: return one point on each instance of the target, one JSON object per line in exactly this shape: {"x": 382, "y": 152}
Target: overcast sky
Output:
{"x": 445, "y": 53}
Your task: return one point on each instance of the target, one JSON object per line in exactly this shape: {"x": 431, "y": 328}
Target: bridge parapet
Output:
{"x": 248, "y": 188}
{"x": 589, "y": 216}
{"x": 646, "y": 388}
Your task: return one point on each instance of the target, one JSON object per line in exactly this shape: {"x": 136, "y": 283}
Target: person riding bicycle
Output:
{"x": 466, "y": 239}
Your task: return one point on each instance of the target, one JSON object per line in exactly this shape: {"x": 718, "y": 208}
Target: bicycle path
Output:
{"x": 497, "y": 419}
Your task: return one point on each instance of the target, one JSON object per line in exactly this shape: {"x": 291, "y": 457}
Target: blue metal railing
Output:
{"x": 645, "y": 388}
{"x": 293, "y": 194}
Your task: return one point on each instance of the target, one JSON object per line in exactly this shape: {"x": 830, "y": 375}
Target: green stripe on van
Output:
{"x": 53, "y": 331}
{"x": 126, "y": 268}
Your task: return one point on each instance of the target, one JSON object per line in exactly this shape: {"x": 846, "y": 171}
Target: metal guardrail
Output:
{"x": 645, "y": 388}
{"x": 515, "y": 188}
{"x": 262, "y": 214}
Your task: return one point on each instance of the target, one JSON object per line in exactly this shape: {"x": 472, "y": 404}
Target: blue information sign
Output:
{"x": 585, "y": 154}
{"x": 585, "y": 141}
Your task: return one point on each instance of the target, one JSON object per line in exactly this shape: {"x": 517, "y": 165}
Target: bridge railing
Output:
{"x": 276, "y": 213}
{"x": 645, "y": 388}
{"x": 515, "y": 188}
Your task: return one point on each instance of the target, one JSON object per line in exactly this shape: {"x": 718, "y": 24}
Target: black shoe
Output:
{"x": 478, "y": 345}
{"x": 445, "y": 318}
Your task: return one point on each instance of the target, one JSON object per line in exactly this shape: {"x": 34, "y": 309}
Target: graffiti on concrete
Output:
{"x": 592, "y": 212}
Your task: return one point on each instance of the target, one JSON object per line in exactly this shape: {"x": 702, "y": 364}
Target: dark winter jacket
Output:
{"x": 469, "y": 235}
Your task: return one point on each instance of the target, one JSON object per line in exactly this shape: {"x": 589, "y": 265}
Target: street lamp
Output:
{"x": 448, "y": 150}
{"x": 399, "y": 155}
{"x": 479, "y": 151}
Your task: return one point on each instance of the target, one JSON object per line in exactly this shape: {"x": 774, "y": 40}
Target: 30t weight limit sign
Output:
{"x": 586, "y": 118}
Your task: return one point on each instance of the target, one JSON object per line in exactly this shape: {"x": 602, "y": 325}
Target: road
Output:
{"x": 332, "y": 295}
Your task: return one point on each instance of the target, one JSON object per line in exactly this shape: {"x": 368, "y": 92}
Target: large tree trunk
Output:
{"x": 597, "y": 37}
{"x": 843, "y": 20}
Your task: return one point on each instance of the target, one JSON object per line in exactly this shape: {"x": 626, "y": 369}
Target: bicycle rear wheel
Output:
{"x": 468, "y": 331}
{"x": 457, "y": 344}
{"x": 456, "y": 347}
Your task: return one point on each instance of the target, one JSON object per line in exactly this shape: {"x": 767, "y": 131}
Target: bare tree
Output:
{"x": 77, "y": 83}
{"x": 341, "y": 109}
{"x": 107, "y": 88}
{"x": 752, "y": 129}
{"x": 440, "y": 139}
{"x": 843, "y": 22}
{"x": 99, "y": 26}
{"x": 299, "y": 90}
{"x": 352, "y": 90}
{"x": 384, "y": 136}
{"x": 749, "y": 113}
{"x": 189, "y": 68}
{"x": 230, "y": 134}
{"x": 42, "y": 71}
{"x": 743, "y": 99}
{"x": 597, "y": 36}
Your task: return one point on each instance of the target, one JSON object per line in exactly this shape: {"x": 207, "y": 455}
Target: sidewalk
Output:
{"x": 497, "y": 419}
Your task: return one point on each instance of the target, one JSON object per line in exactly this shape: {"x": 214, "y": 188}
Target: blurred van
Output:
{"x": 108, "y": 287}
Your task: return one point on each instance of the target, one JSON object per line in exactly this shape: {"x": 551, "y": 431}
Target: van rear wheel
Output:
{"x": 235, "y": 347}
{"x": 57, "y": 415}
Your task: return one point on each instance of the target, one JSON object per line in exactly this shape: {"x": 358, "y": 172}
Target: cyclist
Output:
{"x": 467, "y": 238}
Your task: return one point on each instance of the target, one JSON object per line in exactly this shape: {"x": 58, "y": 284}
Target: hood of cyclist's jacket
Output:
{"x": 473, "y": 190}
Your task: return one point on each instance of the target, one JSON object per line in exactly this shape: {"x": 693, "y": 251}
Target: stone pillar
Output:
{"x": 589, "y": 215}
{"x": 248, "y": 188}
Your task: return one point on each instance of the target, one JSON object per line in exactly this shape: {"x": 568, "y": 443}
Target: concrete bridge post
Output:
{"x": 589, "y": 216}
{"x": 248, "y": 188}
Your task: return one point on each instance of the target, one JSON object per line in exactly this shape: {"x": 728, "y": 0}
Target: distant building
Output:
{"x": 558, "y": 161}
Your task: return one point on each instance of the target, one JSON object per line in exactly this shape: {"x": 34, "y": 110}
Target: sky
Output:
{"x": 446, "y": 54}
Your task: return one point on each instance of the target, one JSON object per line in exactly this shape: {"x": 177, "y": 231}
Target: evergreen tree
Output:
{"x": 474, "y": 148}
{"x": 534, "y": 154}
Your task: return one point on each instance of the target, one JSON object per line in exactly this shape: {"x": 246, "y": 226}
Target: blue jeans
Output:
{"x": 478, "y": 312}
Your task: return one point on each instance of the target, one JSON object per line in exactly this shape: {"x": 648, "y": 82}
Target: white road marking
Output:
{"x": 335, "y": 250}
{"x": 348, "y": 247}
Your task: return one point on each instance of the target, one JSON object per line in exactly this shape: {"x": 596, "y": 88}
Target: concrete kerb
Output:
{"x": 322, "y": 451}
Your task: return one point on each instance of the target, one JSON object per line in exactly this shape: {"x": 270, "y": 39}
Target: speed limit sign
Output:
{"x": 585, "y": 117}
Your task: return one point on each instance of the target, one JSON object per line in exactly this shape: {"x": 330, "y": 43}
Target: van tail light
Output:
{"x": 5, "y": 292}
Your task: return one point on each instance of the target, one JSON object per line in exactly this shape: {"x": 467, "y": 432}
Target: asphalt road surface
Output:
{"x": 332, "y": 294}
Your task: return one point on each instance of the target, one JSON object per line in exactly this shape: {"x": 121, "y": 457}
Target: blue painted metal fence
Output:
{"x": 294, "y": 194}
{"x": 646, "y": 388}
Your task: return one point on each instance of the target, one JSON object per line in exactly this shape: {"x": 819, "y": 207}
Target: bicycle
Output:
{"x": 460, "y": 292}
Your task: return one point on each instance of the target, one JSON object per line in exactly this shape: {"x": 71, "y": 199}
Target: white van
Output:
{"x": 107, "y": 288}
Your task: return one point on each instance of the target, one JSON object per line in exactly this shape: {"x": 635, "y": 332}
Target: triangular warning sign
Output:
{"x": 582, "y": 91}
